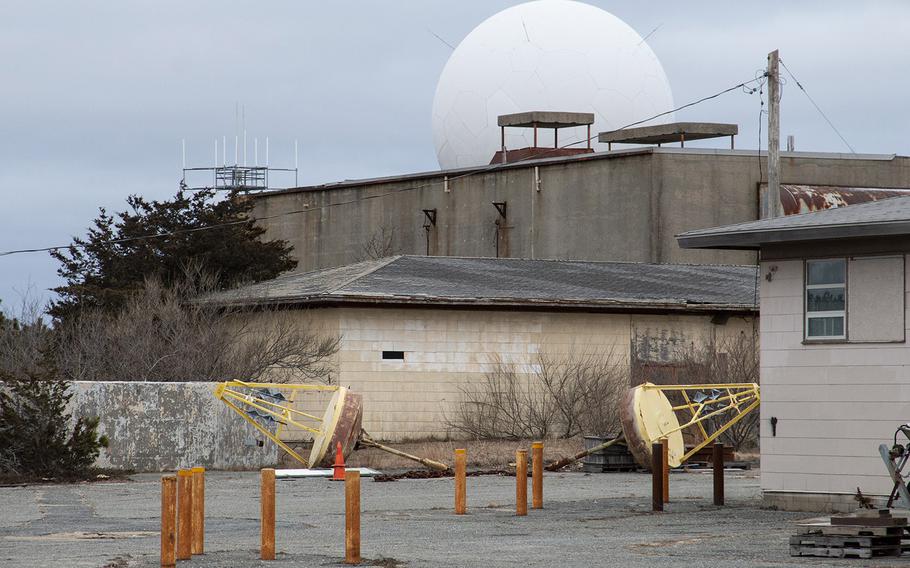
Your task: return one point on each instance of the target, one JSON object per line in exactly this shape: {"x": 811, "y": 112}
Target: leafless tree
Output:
{"x": 379, "y": 245}
{"x": 163, "y": 335}
{"x": 557, "y": 396}
{"x": 24, "y": 337}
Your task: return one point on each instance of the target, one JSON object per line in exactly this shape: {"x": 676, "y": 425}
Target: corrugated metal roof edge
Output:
{"x": 733, "y": 237}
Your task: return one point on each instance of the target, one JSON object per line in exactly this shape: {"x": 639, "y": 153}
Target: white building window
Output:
{"x": 826, "y": 299}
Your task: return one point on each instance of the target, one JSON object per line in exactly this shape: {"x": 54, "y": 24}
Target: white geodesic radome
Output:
{"x": 549, "y": 55}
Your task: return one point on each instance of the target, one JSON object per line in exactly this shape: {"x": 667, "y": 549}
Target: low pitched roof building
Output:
{"x": 834, "y": 360}
{"x": 416, "y": 331}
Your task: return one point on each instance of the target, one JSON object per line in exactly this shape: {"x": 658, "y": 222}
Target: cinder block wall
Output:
{"x": 165, "y": 426}
{"x": 446, "y": 350}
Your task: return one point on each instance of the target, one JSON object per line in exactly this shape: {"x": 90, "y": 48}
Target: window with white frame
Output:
{"x": 826, "y": 298}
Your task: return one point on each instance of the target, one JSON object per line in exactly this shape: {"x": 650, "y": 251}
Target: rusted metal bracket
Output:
{"x": 501, "y": 208}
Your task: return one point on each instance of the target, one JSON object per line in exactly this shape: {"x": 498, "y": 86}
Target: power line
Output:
{"x": 486, "y": 169}
{"x": 820, "y": 111}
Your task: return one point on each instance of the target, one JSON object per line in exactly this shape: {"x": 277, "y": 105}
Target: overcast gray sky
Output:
{"x": 96, "y": 96}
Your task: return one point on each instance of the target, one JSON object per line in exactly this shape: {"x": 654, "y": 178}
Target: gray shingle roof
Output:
{"x": 879, "y": 218}
{"x": 517, "y": 283}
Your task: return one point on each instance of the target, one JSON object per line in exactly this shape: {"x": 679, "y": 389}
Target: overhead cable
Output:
{"x": 542, "y": 154}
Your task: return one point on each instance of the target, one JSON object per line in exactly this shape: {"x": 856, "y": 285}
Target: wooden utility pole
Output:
{"x": 774, "y": 207}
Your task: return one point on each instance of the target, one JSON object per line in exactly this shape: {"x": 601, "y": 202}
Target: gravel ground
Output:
{"x": 588, "y": 520}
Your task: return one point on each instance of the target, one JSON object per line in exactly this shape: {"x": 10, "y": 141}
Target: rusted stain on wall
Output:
{"x": 165, "y": 426}
{"x": 797, "y": 199}
{"x": 657, "y": 355}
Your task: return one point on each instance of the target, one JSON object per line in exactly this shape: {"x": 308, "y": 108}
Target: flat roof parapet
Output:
{"x": 546, "y": 119}
{"x": 669, "y": 133}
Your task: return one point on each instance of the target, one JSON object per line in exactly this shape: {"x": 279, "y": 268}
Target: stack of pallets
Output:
{"x": 861, "y": 535}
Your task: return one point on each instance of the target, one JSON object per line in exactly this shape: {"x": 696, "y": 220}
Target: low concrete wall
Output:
{"x": 816, "y": 502}
{"x": 165, "y": 426}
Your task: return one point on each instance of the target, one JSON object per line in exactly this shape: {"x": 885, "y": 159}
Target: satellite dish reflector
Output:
{"x": 648, "y": 414}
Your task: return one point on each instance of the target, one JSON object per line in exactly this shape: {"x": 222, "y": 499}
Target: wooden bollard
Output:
{"x": 352, "y": 517}
{"x": 718, "y": 473}
{"x": 461, "y": 459}
{"x": 198, "y": 510}
{"x": 537, "y": 475}
{"x": 184, "y": 514}
{"x": 665, "y": 451}
{"x": 267, "y": 513}
{"x": 168, "y": 521}
{"x": 521, "y": 483}
{"x": 657, "y": 477}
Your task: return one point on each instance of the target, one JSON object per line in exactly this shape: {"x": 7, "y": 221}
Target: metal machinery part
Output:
{"x": 647, "y": 415}
{"x": 895, "y": 459}
{"x": 268, "y": 407}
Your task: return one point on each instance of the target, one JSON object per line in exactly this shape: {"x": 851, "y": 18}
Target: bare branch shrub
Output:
{"x": 732, "y": 359}
{"x": 379, "y": 245}
{"x": 558, "y": 396}
{"x": 163, "y": 335}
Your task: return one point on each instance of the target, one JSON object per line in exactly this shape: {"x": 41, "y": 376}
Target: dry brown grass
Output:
{"x": 486, "y": 454}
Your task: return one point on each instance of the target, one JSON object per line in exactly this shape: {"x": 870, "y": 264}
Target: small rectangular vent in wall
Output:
{"x": 393, "y": 355}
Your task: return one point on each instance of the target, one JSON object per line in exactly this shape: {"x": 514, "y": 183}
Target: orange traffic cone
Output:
{"x": 338, "y": 466}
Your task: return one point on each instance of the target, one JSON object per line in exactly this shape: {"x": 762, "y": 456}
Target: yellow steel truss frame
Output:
{"x": 738, "y": 398}
{"x": 236, "y": 400}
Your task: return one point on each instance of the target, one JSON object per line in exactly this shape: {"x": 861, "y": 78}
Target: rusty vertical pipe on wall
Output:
{"x": 537, "y": 475}
{"x": 521, "y": 483}
{"x": 657, "y": 477}
{"x": 184, "y": 514}
{"x": 168, "y": 521}
{"x": 352, "y": 517}
{"x": 665, "y": 451}
{"x": 460, "y": 483}
{"x": 718, "y": 460}
{"x": 267, "y": 514}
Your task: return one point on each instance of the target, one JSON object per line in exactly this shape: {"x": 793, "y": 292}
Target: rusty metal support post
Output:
{"x": 589, "y": 137}
{"x": 665, "y": 450}
{"x": 184, "y": 514}
{"x": 168, "y": 521}
{"x": 657, "y": 477}
{"x": 555, "y": 138}
{"x": 352, "y": 517}
{"x": 460, "y": 482}
{"x": 718, "y": 464}
{"x": 198, "y": 510}
{"x": 521, "y": 483}
{"x": 267, "y": 514}
{"x": 537, "y": 475}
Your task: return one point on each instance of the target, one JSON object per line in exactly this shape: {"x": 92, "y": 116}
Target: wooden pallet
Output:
{"x": 847, "y": 546}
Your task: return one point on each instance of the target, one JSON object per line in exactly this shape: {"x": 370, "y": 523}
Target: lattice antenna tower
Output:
{"x": 239, "y": 175}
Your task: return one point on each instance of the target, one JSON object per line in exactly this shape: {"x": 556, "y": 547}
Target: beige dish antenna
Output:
{"x": 690, "y": 416}
{"x": 697, "y": 414}
{"x": 274, "y": 407}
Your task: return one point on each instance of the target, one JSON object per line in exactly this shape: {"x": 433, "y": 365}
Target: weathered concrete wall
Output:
{"x": 165, "y": 426}
{"x": 623, "y": 205}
